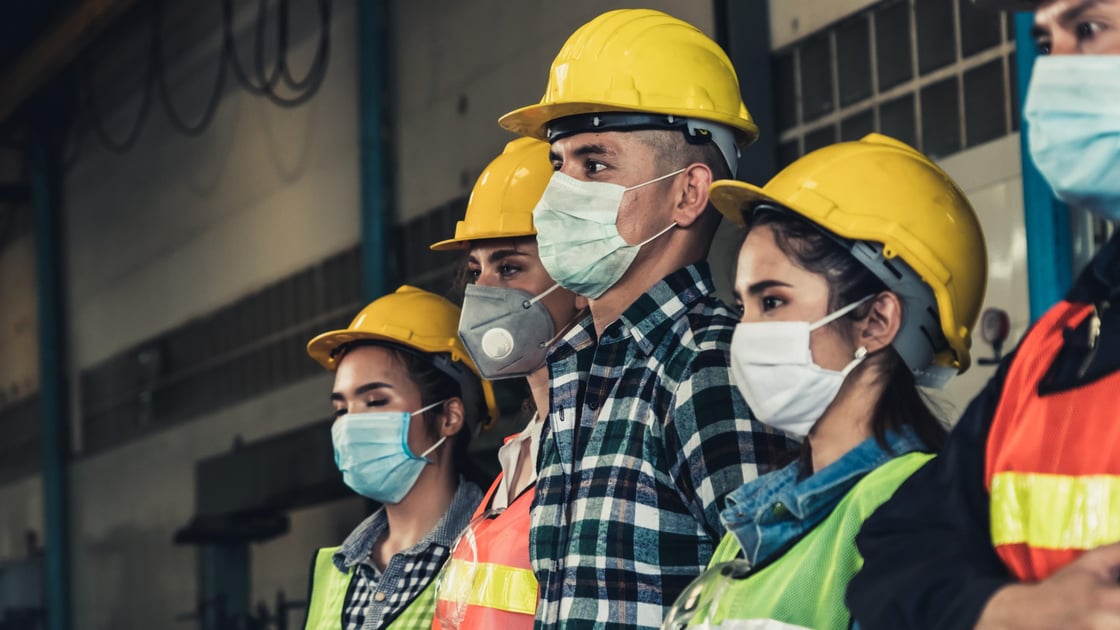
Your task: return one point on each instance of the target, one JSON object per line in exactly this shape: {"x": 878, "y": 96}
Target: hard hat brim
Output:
{"x": 532, "y": 120}
{"x": 462, "y": 243}
{"x": 734, "y": 198}
{"x": 322, "y": 347}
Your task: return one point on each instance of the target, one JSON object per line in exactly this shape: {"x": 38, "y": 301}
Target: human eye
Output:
{"x": 339, "y": 411}
{"x": 473, "y": 272}
{"x": 1042, "y": 45}
{"x": 1086, "y": 31}
{"x": 508, "y": 270}
{"x": 594, "y": 167}
{"x": 771, "y": 302}
{"x": 375, "y": 402}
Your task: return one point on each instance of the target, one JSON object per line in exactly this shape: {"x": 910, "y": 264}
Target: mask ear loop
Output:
{"x": 440, "y": 441}
{"x": 527, "y": 304}
{"x": 837, "y": 314}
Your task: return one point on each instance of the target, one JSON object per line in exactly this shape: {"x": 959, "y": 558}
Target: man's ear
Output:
{"x": 882, "y": 323}
{"x": 453, "y": 417}
{"x": 692, "y": 199}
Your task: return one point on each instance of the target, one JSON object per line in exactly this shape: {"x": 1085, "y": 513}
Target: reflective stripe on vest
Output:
{"x": 1055, "y": 509}
{"x": 1050, "y": 467}
{"x": 488, "y": 583}
{"x": 328, "y": 596}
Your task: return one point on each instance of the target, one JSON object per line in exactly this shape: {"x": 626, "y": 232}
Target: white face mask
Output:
{"x": 577, "y": 238}
{"x": 774, "y": 369}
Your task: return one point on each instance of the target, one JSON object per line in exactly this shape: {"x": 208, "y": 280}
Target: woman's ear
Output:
{"x": 453, "y": 417}
{"x": 882, "y": 323}
{"x": 693, "y": 199}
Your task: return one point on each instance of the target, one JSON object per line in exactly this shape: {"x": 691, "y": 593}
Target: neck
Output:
{"x": 847, "y": 421}
{"x": 649, "y": 268}
{"x": 424, "y": 505}
{"x": 538, "y": 387}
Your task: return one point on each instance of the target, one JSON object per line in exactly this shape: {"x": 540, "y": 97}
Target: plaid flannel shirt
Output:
{"x": 646, "y": 435}
{"x": 376, "y": 598}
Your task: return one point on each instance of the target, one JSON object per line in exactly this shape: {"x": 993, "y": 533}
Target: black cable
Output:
{"x": 318, "y": 71}
{"x": 321, "y": 51}
{"x": 114, "y": 145}
{"x": 268, "y": 81}
{"x": 215, "y": 98}
{"x": 230, "y": 46}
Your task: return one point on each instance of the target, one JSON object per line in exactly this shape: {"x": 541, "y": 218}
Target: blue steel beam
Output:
{"x": 51, "y": 389}
{"x": 376, "y": 192}
{"x": 1049, "y": 249}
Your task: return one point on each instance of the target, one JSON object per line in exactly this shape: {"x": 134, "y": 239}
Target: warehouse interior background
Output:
{"x": 190, "y": 190}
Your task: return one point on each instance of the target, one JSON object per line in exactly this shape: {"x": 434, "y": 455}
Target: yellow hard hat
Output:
{"x": 639, "y": 60}
{"x": 879, "y": 190}
{"x": 420, "y": 321}
{"x": 502, "y": 202}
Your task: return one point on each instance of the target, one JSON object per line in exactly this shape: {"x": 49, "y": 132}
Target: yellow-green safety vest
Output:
{"x": 328, "y": 596}
{"x": 805, "y": 587}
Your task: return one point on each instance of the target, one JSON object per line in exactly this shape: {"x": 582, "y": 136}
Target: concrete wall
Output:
{"x": 492, "y": 55}
{"x": 180, "y": 226}
{"x": 19, "y": 323}
{"x": 126, "y": 505}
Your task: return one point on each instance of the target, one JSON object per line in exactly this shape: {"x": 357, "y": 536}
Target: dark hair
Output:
{"x": 813, "y": 249}
{"x": 434, "y": 385}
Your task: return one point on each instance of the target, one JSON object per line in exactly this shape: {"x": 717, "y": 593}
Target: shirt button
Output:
{"x": 379, "y": 596}
{"x": 780, "y": 510}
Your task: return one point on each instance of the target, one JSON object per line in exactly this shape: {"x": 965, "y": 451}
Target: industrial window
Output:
{"x": 936, "y": 74}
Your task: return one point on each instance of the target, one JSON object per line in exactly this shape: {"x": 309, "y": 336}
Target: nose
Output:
{"x": 486, "y": 280}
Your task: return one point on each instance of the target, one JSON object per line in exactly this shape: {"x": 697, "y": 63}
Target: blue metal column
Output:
{"x": 52, "y": 390}
{"x": 376, "y": 191}
{"x": 743, "y": 30}
{"x": 1049, "y": 252}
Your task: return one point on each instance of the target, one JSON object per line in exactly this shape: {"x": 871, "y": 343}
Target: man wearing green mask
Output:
{"x": 646, "y": 433}
{"x": 1016, "y": 523}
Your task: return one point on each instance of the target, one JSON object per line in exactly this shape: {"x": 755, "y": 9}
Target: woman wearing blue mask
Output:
{"x": 407, "y": 398}
{"x": 860, "y": 278}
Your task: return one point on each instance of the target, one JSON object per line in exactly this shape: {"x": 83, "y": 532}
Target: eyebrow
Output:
{"x": 584, "y": 151}
{"x": 364, "y": 389}
{"x": 498, "y": 254}
{"x": 759, "y": 287}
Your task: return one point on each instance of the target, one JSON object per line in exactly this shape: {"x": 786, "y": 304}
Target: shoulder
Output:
{"x": 880, "y": 484}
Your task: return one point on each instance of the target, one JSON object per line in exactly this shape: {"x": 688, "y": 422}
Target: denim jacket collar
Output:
{"x": 767, "y": 513}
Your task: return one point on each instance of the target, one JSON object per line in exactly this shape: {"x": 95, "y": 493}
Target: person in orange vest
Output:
{"x": 404, "y": 390}
{"x": 1016, "y": 523}
{"x": 512, "y": 312}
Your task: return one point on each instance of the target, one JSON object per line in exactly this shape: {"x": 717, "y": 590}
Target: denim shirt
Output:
{"x": 767, "y": 513}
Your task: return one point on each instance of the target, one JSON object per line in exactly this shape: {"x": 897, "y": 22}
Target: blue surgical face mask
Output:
{"x": 577, "y": 235}
{"x": 1072, "y": 113}
{"x": 371, "y": 450}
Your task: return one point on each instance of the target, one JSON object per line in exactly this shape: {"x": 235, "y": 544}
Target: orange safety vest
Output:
{"x": 488, "y": 582}
{"x": 1052, "y": 471}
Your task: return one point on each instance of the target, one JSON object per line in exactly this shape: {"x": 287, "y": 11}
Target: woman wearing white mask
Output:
{"x": 407, "y": 398}
{"x": 860, "y": 278}
{"x": 512, "y": 312}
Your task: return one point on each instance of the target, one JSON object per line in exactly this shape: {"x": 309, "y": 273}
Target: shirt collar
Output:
{"x": 779, "y": 500}
{"x": 653, "y": 314}
{"x": 1101, "y": 278}
{"x": 359, "y": 544}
